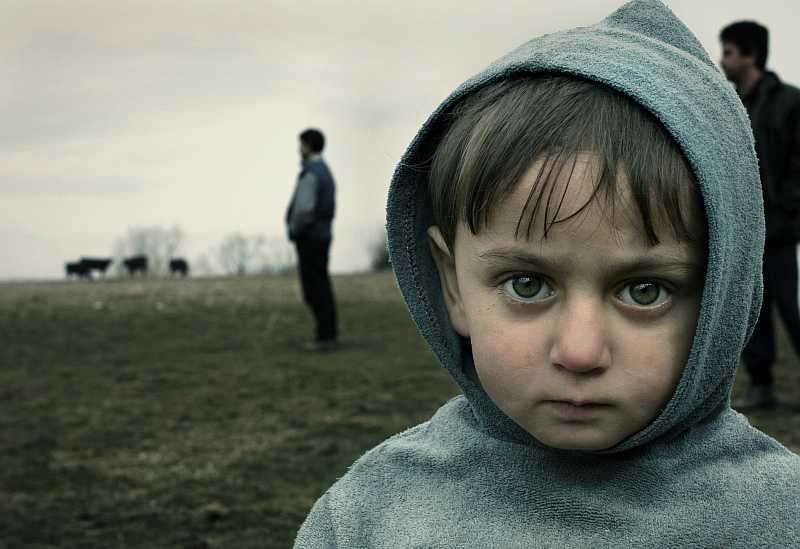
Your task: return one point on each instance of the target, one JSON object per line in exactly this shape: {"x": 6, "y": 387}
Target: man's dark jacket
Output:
{"x": 311, "y": 218}
{"x": 774, "y": 109}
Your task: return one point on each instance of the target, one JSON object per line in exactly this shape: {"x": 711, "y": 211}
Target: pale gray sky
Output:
{"x": 119, "y": 114}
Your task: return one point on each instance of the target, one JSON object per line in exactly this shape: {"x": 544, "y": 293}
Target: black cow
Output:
{"x": 137, "y": 263}
{"x": 84, "y": 267}
{"x": 178, "y": 266}
{"x": 95, "y": 264}
{"x": 78, "y": 269}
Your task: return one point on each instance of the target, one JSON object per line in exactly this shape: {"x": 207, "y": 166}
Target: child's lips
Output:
{"x": 576, "y": 409}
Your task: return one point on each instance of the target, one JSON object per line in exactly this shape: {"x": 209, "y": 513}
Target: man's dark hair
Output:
{"x": 749, "y": 37}
{"x": 314, "y": 139}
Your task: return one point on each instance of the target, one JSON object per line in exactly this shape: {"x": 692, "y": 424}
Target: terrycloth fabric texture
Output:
{"x": 699, "y": 475}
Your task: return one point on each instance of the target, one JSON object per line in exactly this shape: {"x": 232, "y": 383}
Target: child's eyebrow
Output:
{"x": 510, "y": 255}
{"x": 655, "y": 262}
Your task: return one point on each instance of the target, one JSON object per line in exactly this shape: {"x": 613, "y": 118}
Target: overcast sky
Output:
{"x": 121, "y": 114}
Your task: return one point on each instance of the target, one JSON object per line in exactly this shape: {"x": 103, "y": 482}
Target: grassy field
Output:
{"x": 180, "y": 413}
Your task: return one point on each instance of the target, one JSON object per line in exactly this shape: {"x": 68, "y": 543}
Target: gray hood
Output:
{"x": 699, "y": 475}
{"x": 665, "y": 69}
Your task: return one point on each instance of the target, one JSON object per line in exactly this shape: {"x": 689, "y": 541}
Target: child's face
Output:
{"x": 582, "y": 337}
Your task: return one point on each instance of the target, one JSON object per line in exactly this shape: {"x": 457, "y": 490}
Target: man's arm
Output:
{"x": 305, "y": 202}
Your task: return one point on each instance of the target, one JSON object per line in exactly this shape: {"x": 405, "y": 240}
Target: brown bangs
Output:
{"x": 496, "y": 134}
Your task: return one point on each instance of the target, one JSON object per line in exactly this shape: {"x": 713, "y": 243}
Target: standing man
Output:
{"x": 309, "y": 219}
{"x": 774, "y": 109}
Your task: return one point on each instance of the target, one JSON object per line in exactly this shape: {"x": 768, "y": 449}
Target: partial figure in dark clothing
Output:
{"x": 774, "y": 109}
{"x": 309, "y": 220}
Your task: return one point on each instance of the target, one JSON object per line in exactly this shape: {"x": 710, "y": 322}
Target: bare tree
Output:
{"x": 157, "y": 243}
{"x": 203, "y": 265}
{"x": 238, "y": 254}
{"x": 279, "y": 257}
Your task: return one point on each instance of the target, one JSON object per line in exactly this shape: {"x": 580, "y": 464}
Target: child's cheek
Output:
{"x": 505, "y": 369}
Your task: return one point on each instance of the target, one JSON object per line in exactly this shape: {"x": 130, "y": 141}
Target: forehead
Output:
{"x": 589, "y": 231}
{"x": 573, "y": 200}
{"x": 544, "y": 199}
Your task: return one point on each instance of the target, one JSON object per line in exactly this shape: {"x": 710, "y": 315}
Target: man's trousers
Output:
{"x": 780, "y": 290}
{"x": 317, "y": 292}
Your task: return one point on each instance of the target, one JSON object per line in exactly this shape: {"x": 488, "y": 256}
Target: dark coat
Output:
{"x": 310, "y": 213}
{"x": 774, "y": 109}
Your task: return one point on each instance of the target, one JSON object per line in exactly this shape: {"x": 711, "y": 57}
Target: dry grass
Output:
{"x": 180, "y": 413}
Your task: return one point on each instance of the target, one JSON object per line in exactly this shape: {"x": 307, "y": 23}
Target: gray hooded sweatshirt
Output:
{"x": 699, "y": 475}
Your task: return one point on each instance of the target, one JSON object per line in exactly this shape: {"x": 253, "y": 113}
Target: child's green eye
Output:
{"x": 527, "y": 287}
{"x": 644, "y": 294}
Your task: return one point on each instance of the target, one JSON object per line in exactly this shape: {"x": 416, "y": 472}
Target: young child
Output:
{"x": 577, "y": 232}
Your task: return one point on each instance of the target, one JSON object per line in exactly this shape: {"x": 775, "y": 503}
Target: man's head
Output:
{"x": 750, "y": 39}
{"x": 745, "y": 46}
{"x": 311, "y": 142}
{"x": 571, "y": 248}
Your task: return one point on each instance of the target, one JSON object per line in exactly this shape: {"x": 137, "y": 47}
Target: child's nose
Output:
{"x": 580, "y": 343}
